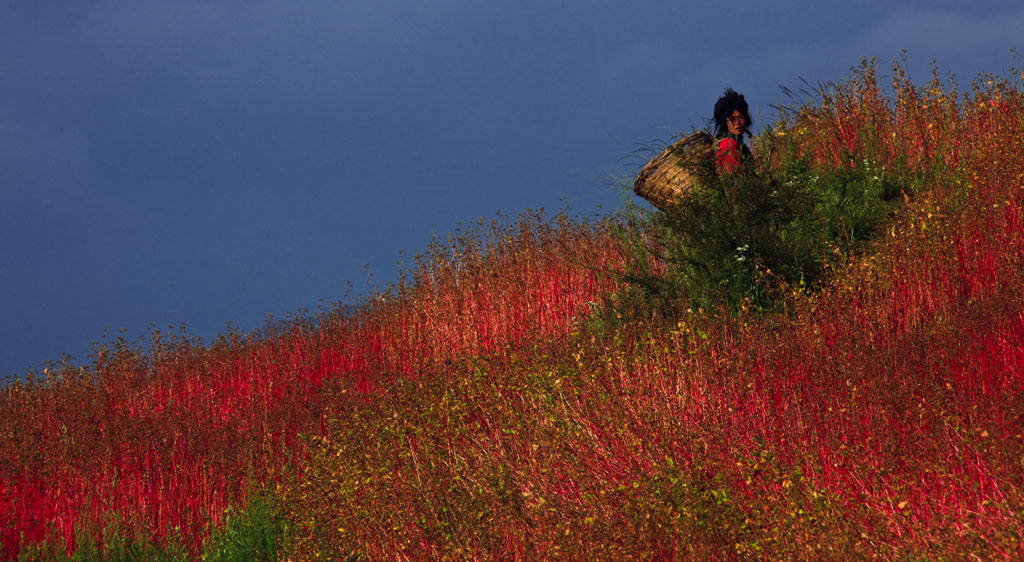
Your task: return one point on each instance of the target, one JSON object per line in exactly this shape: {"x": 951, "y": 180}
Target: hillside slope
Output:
{"x": 477, "y": 410}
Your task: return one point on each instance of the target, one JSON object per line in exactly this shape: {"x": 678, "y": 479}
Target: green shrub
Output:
{"x": 254, "y": 533}
{"x": 743, "y": 240}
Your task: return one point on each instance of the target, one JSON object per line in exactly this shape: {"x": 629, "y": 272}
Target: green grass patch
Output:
{"x": 251, "y": 534}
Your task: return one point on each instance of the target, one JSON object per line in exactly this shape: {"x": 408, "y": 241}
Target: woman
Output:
{"x": 732, "y": 122}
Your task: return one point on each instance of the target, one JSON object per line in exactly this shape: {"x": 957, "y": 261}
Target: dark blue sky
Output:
{"x": 206, "y": 162}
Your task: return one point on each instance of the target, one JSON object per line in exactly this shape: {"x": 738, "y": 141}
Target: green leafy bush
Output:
{"x": 743, "y": 240}
{"x": 254, "y": 533}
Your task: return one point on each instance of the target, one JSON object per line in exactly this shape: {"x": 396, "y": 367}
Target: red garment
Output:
{"x": 728, "y": 155}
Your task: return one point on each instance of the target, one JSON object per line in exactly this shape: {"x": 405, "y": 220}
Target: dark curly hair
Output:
{"x": 729, "y": 102}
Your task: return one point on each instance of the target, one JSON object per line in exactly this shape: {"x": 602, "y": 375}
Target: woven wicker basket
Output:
{"x": 670, "y": 175}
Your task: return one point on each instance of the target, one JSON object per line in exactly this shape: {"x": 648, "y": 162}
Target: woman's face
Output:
{"x": 736, "y": 122}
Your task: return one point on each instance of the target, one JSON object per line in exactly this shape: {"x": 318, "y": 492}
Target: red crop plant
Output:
{"x": 167, "y": 438}
{"x": 879, "y": 417}
{"x": 478, "y": 410}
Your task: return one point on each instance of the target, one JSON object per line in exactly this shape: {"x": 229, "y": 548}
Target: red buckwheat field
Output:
{"x": 502, "y": 402}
